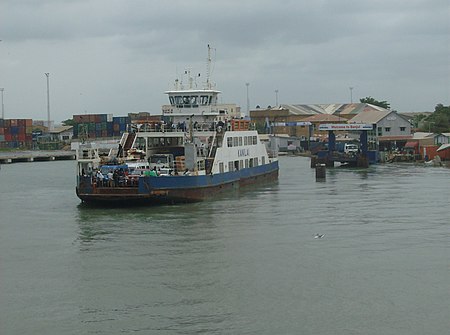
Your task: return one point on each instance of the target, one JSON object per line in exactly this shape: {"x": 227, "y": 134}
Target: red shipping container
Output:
{"x": 431, "y": 152}
{"x": 21, "y": 122}
{"x": 7, "y": 123}
{"x": 2, "y": 131}
{"x": 8, "y": 137}
{"x": 28, "y": 123}
{"x": 21, "y": 137}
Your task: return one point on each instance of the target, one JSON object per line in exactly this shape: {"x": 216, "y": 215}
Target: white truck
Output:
{"x": 351, "y": 149}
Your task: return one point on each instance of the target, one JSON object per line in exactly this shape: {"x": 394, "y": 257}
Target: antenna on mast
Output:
{"x": 208, "y": 68}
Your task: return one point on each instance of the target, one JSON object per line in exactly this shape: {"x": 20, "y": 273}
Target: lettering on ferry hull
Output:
{"x": 243, "y": 152}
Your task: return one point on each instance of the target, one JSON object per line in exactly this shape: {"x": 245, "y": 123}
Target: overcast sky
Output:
{"x": 119, "y": 56}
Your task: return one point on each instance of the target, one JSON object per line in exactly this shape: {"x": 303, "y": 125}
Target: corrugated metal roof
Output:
{"x": 324, "y": 118}
{"x": 330, "y": 109}
{"x": 61, "y": 129}
{"x": 395, "y": 138}
{"x": 422, "y": 135}
{"x": 370, "y": 116}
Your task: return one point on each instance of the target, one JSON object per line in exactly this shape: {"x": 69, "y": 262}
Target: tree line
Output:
{"x": 437, "y": 122}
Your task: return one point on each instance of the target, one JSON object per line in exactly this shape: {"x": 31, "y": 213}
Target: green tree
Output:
{"x": 372, "y": 101}
{"x": 68, "y": 122}
{"x": 439, "y": 121}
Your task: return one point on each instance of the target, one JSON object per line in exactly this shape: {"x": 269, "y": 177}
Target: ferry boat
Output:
{"x": 196, "y": 151}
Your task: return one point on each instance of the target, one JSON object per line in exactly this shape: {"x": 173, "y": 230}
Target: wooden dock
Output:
{"x": 36, "y": 156}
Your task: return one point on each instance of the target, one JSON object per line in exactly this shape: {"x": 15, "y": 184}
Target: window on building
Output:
{"x": 255, "y": 140}
{"x": 240, "y": 141}
{"x": 221, "y": 170}
{"x": 402, "y": 128}
{"x": 263, "y": 160}
{"x": 230, "y": 166}
{"x": 387, "y": 129}
{"x": 235, "y": 141}
{"x": 380, "y": 131}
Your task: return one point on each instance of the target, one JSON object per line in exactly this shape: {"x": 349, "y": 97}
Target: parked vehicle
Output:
{"x": 350, "y": 149}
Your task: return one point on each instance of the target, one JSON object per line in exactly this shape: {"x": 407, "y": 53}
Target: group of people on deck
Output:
{"x": 115, "y": 178}
{"x": 121, "y": 177}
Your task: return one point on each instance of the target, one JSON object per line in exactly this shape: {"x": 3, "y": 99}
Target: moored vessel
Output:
{"x": 195, "y": 151}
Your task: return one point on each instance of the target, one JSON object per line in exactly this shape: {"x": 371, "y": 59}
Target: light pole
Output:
{"x": 248, "y": 100}
{"x": 351, "y": 94}
{"x": 48, "y": 101}
{"x": 276, "y": 98}
{"x": 3, "y": 106}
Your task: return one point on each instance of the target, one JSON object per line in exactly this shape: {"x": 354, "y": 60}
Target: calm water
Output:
{"x": 245, "y": 264}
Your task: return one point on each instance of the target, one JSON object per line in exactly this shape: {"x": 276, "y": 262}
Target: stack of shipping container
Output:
{"x": 16, "y": 133}
{"x": 99, "y": 125}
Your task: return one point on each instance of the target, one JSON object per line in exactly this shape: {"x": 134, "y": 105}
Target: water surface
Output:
{"x": 247, "y": 263}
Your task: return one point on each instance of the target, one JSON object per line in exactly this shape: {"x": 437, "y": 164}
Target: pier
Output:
{"x": 36, "y": 156}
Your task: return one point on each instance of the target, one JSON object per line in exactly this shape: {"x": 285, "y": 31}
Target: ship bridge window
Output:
{"x": 178, "y": 100}
{"x": 194, "y": 100}
{"x": 205, "y": 100}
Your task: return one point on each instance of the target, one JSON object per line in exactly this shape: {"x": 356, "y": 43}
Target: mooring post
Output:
{"x": 320, "y": 171}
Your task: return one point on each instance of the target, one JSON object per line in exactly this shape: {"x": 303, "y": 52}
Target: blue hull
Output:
{"x": 174, "y": 189}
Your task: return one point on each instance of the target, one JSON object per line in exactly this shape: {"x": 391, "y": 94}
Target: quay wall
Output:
{"x": 36, "y": 156}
